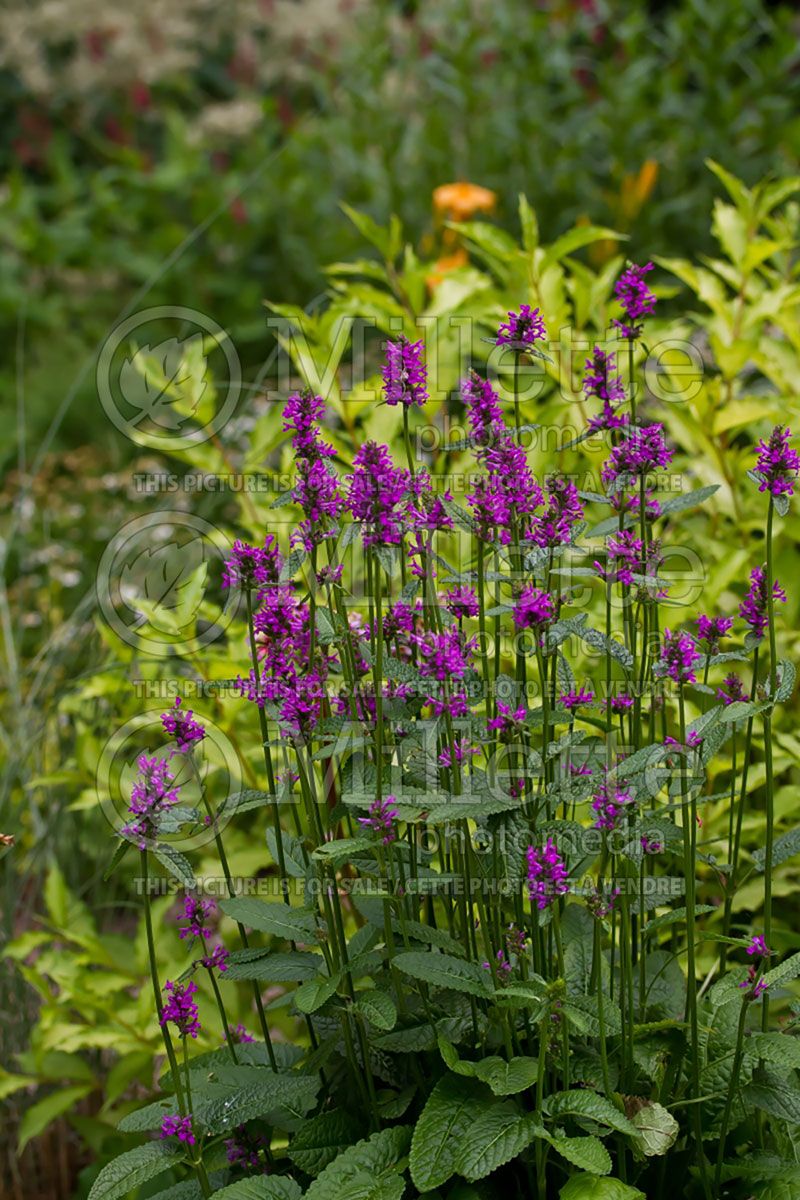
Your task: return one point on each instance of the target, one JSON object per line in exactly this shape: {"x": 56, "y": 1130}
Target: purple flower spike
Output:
{"x": 679, "y": 654}
{"x": 564, "y": 510}
{"x": 179, "y": 1127}
{"x": 376, "y": 490}
{"x": 405, "y": 376}
{"x": 381, "y": 819}
{"x": 195, "y": 913}
{"x": 461, "y": 602}
{"x": 735, "y": 689}
{"x": 601, "y": 382}
{"x": 180, "y": 1009}
{"x": 609, "y": 803}
{"x": 484, "y": 413}
{"x": 777, "y": 464}
{"x": 252, "y": 566}
{"x": 753, "y": 608}
{"x": 576, "y": 699}
{"x": 217, "y": 960}
{"x": 758, "y": 947}
{"x": 534, "y": 608}
{"x": 547, "y": 874}
{"x": 636, "y": 299}
{"x": 182, "y": 726}
{"x": 712, "y": 630}
{"x": 642, "y": 450}
{"x": 240, "y": 1036}
{"x": 522, "y": 329}
{"x": 151, "y": 796}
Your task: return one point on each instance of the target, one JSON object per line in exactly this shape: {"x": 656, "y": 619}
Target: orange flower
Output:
{"x": 458, "y": 201}
{"x": 444, "y": 265}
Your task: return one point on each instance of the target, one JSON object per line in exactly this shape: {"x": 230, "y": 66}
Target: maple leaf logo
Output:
{"x": 165, "y": 382}
{"x": 171, "y": 580}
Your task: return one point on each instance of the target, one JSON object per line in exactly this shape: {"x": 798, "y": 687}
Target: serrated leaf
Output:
{"x": 688, "y": 499}
{"x": 588, "y": 1153}
{"x": 449, "y": 1113}
{"x": 292, "y": 564}
{"x": 312, "y": 994}
{"x": 281, "y": 920}
{"x": 584, "y": 1103}
{"x": 657, "y": 1129}
{"x": 126, "y": 1172}
{"x": 321, "y": 1140}
{"x": 366, "y": 1171}
{"x": 444, "y": 971}
{"x": 499, "y": 1134}
{"x": 378, "y": 1008}
{"x": 270, "y": 967}
{"x": 598, "y": 1187}
{"x": 176, "y": 863}
{"x": 507, "y": 1078}
{"x": 264, "y": 1187}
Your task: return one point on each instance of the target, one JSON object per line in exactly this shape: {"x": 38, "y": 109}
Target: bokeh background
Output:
{"x": 197, "y": 153}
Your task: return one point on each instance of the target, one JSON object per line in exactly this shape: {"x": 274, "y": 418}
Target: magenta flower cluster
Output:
{"x": 152, "y": 795}
{"x": 636, "y": 299}
{"x": 180, "y": 724}
{"x": 547, "y": 874}
{"x": 405, "y": 376}
{"x": 381, "y": 819}
{"x": 777, "y": 463}
{"x": 522, "y": 329}
{"x": 180, "y": 1008}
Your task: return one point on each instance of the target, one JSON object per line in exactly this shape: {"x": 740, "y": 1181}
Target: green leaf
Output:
{"x": 367, "y": 1171}
{"x": 292, "y": 851}
{"x": 39, "y": 1115}
{"x": 377, "y": 1007}
{"x": 312, "y": 994}
{"x": 292, "y": 967}
{"x": 787, "y": 674}
{"x": 597, "y": 1187}
{"x": 292, "y": 564}
{"x": 782, "y": 1049}
{"x": 588, "y": 1153}
{"x": 177, "y": 864}
{"x": 226, "y": 1108}
{"x": 125, "y": 1173}
{"x": 775, "y": 1093}
{"x": 576, "y": 239}
{"x": 688, "y": 499}
{"x": 580, "y": 1103}
{"x": 342, "y": 850}
{"x": 294, "y": 924}
{"x": 657, "y": 1129}
{"x": 784, "y": 848}
{"x": 321, "y": 1140}
{"x": 499, "y": 1134}
{"x": 265, "y": 1187}
{"x": 369, "y": 229}
{"x": 507, "y": 1078}
{"x": 116, "y": 858}
{"x": 790, "y": 969}
{"x": 444, "y": 971}
{"x": 246, "y": 800}
{"x": 449, "y": 1114}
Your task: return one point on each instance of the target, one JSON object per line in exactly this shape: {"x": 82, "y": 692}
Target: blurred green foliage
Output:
{"x": 602, "y": 111}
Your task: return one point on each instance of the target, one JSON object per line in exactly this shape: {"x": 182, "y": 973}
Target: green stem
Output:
{"x": 733, "y": 1086}
{"x": 768, "y": 765}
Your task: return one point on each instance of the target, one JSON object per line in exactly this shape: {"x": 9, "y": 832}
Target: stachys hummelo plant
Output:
{"x": 485, "y": 828}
